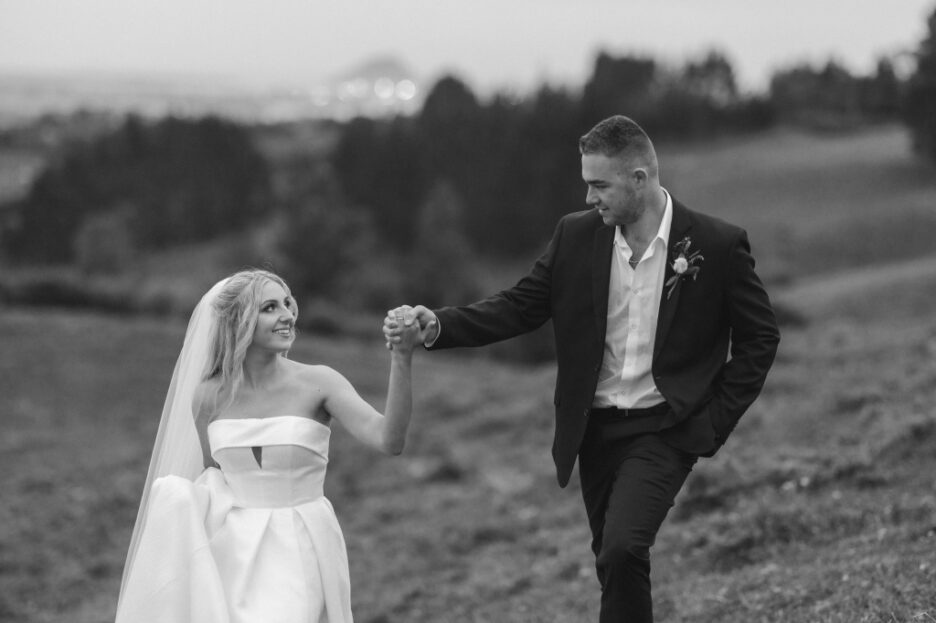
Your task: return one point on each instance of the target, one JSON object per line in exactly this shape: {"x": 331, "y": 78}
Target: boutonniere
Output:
{"x": 684, "y": 264}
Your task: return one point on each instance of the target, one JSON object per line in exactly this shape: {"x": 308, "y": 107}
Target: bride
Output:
{"x": 233, "y": 525}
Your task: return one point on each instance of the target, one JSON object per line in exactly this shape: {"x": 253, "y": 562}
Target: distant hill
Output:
{"x": 375, "y": 87}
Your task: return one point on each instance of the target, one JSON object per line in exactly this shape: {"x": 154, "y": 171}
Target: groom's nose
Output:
{"x": 591, "y": 197}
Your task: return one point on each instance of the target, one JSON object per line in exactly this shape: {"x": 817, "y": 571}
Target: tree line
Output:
{"x": 149, "y": 185}
{"x": 462, "y": 176}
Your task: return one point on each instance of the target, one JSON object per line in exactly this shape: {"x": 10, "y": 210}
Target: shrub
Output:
{"x": 103, "y": 242}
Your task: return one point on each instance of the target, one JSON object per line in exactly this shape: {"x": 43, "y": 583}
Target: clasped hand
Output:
{"x": 406, "y": 326}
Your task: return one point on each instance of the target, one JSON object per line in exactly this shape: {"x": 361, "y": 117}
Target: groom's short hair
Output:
{"x": 618, "y": 136}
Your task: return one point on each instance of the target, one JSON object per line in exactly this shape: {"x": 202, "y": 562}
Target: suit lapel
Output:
{"x": 679, "y": 229}
{"x": 601, "y": 276}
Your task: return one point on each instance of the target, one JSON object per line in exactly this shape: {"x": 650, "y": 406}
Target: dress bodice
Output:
{"x": 271, "y": 462}
{"x": 253, "y": 541}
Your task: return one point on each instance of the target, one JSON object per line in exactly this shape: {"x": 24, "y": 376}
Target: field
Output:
{"x": 821, "y": 507}
{"x": 811, "y": 203}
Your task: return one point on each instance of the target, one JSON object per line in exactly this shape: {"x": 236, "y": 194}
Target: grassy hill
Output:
{"x": 813, "y": 203}
{"x": 821, "y": 507}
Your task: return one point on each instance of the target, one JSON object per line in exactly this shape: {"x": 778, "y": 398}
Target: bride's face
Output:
{"x": 276, "y": 319}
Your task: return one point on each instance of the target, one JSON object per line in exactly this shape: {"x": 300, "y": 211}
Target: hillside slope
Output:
{"x": 822, "y": 506}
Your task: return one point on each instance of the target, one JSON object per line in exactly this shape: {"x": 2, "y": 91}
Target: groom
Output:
{"x": 664, "y": 336}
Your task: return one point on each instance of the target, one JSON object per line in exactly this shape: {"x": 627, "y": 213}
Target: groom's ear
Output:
{"x": 640, "y": 176}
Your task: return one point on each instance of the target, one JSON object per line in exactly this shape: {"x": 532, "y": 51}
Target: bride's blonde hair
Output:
{"x": 236, "y": 309}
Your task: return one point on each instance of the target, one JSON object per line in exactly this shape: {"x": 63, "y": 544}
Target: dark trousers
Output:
{"x": 629, "y": 483}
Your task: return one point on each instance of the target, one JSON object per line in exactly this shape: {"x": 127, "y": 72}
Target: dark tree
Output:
{"x": 823, "y": 98}
{"x": 620, "y": 86}
{"x": 711, "y": 79}
{"x": 175, "y": 181}
{"x": 449, "y": 104}
{"x": 456, "y": 141}
{"x": 881, "y": 93}
{"x": 920, "y": 102}
{"x": 379, "y": 167}
{"x": 539, "y": 181}
{"x": 440, "y": 266}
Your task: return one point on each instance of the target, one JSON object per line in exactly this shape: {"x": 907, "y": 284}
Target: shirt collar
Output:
{"x": 663, "y": 233}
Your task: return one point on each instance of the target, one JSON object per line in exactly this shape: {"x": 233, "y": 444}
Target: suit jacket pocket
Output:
{"x": 695, "y": 435}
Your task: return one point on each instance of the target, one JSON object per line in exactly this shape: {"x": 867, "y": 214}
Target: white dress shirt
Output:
{"x": 625, "y": 380}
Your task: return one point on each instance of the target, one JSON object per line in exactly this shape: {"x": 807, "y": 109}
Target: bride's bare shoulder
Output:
{"x": 319, "y": 375}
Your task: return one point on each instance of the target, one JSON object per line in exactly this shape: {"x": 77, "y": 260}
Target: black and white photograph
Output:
{"x": 440, "y": 311}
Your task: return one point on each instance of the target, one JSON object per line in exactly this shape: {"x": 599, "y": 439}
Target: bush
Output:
{"x": 103, "y": 243}
{"x": 63, "y": 289}
{"x": 322, "y": 240}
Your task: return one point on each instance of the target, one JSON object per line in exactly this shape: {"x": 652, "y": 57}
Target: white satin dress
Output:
{"x": 255, "y": 540}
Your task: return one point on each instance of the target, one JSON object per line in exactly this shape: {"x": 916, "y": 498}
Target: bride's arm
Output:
{"x": 202, "y": 411}
{"x": 385, "y": 432}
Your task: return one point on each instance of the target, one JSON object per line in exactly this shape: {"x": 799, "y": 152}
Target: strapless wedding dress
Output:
{"x": 253, "y": 541}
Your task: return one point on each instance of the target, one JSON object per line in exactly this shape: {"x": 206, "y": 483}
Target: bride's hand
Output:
{"x": 405, "y": 316}
{"x": 400, "y": 337}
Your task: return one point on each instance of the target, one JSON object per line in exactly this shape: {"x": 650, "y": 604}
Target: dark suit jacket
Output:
{"x": 725, "y": 305}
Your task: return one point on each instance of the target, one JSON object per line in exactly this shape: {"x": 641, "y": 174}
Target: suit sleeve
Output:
{"x": 754, "y": 340}
{"x": 509, "y": 313}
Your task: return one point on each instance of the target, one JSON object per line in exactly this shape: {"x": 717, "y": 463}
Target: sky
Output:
{"x": 492, "y": 45}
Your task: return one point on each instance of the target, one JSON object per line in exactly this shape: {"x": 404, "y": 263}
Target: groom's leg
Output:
{"x": 628, "y": 486}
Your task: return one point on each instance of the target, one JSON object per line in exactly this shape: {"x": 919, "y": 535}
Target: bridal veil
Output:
{"x": 177, "y": 450}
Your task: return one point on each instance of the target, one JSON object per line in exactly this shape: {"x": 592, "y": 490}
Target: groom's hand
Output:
{"x": 426, "y": 320}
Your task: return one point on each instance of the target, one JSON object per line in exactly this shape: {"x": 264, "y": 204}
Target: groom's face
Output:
{"x": 612, "y": 189}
